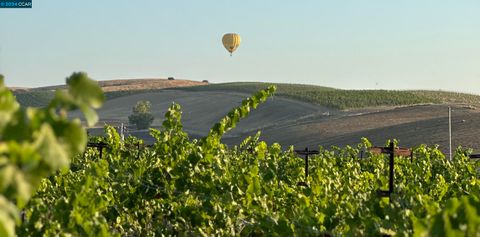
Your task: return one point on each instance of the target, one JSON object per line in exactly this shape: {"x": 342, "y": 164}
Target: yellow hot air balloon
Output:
{"x": 231, "y": 41}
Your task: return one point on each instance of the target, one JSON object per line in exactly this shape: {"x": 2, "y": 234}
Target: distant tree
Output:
{"x": 141, "y": 117}
{"x": 143, "y": 106}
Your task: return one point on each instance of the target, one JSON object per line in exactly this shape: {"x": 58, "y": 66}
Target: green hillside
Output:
{"x": 346, "y": 99}
{"x": 34, "y": 98}
{"x": 40, "y": 98}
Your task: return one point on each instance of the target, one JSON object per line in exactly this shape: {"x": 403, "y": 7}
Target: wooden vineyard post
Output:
{"x": 474, "y": 156}
{"x": 391, "y": 151}
{"x": 99, "y": 146}
{"x": 306, "y": 153}
{"x": 392, "y": 163}
{"x": 138, "y": 151}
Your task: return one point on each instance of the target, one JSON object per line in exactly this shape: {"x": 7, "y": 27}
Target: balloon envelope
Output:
{"x": 231, "y": 41}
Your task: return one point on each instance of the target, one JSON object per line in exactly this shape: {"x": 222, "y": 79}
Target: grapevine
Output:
{"x": 187, "y": 187}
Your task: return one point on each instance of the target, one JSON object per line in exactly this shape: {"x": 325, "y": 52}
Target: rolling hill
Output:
{"x": 300, "y": 115}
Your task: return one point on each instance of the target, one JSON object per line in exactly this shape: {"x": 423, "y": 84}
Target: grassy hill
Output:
{"x": 324, "y": 96}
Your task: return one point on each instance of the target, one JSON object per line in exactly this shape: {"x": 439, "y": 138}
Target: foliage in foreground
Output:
{"x": 35, "y": 143}
{"x": 203, "y": 188}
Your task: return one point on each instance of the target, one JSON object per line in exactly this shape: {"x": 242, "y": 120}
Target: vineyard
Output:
{"x": 346, "y": 99}
{"x": 52, "y": 185}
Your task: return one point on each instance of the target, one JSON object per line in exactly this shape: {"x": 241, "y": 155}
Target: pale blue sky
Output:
{"x": 403, "y": 44}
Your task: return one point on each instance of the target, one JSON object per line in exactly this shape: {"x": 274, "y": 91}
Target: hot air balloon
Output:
{"x": 231, "y": 41}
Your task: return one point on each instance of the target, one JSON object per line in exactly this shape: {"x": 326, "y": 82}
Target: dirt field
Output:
{"x": 412, "y": 125}
{"x": 292, "y": 122}
{"x": 145, "y": 84}
{"x": 203, "y": 109}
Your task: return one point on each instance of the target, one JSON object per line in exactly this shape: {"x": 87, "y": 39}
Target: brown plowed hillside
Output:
{"x": 131, "y": 84}
{"x": 145, "y": 84}
{"x": 411, "y": 125}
